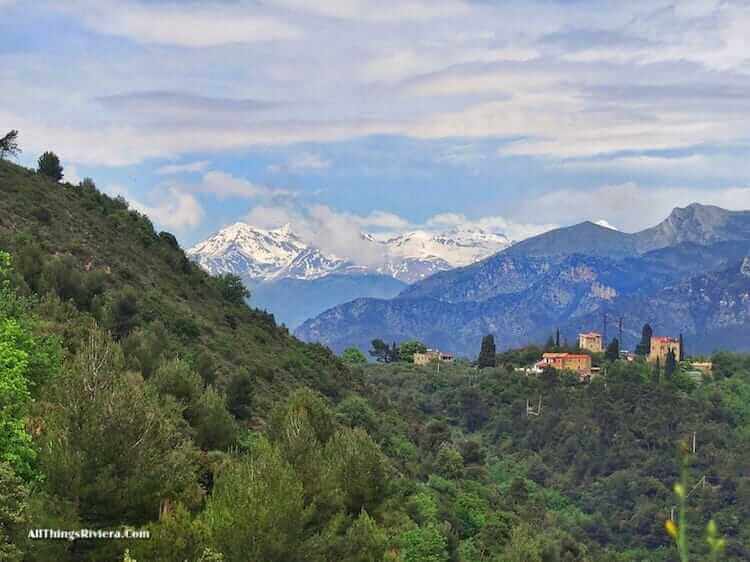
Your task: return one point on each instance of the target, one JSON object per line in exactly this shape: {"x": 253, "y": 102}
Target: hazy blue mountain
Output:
{"x": 294, "y": 300}
{"x": 569, "y": 278}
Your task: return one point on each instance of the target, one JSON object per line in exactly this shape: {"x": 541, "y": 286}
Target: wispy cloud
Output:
{"x": 187, "y": 168}
{"x": 194, "y": 25}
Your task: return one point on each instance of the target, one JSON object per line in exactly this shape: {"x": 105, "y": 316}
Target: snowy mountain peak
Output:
{"x": 259, "y": 255}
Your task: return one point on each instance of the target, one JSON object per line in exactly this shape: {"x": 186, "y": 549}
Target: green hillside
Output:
{"x": 137, "y": 393}
{"x": 81, "y": 244}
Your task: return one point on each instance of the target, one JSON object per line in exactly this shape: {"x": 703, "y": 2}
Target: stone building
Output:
{"x": 432, "y": 355}
{"x": 660, "y": 347}
{"x": 591, "y": 341}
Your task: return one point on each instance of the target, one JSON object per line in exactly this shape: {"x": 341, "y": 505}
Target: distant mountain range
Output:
{"x": 687, "y": 274}
{"x": 296, "y": 280}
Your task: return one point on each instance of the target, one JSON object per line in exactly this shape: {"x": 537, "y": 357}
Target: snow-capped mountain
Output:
{"x": 259, "y": 255}
{"x": 252, "y": 253}
{"x": 416, "y": 255}
{"x": 311, "y": 263}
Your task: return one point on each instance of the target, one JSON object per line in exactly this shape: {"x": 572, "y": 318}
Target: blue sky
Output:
{"x": 386, "y": 115}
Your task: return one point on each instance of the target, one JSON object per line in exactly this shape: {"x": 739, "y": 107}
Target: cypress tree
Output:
{"x": 644, "y": 347}
{"x": 682, "y": 348}
{"x": 557, "y": 338}
{"x": 670, "y": 364}
{"x": 487, "y": 356}
{"x": 613, "y": 350}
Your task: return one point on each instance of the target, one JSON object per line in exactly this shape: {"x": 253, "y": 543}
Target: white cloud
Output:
{"x": 628, "y": 205}
{"x": 170, "y": 208}
{"x": 196, "y": 25}
{"x": 307, "y": 161}
{"x": 187, "y": 168}
{"x": 378, "y": 11}
{"x": 224, "y": 185}
{"x": 497, "y": 224}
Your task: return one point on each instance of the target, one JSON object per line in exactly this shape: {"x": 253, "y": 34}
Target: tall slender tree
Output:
{"x": 682, "y": 348}
{"x": 613, "y": 350}
{"x": 670, "y": 364}
{"x": 644, "y": 347}
{"x": 487, "y": 357}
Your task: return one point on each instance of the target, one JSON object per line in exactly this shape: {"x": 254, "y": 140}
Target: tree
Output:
{"x": 49, "y": 165}
{"x": 682, "y": 348}
{"x": 644, "y": 347}
{"x": 557, "y": 337}
{"x": 353, "y": 356}
{"x": 13, "y": 513}
{"x": 380, "y": 351}
{"x": 670, "y": 364}
{"x": 9, "y": 145}
{"x": 487, "y": 353}
{"x": 232, "y": 288}
{"x": 613, "y": 350}
{"x": 394, "y": 356}
{"x": 424, "y": 544}
{"x": 257, "y": 508}
{"x": 87, "y": 183}
{"x": 407, "y": 350}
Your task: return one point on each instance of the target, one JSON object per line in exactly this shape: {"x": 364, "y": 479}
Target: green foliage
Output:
{"x": 424, "y": 544}
{"x": 257, "y": 509}
{"x": 353, "y": 356}
{"x": 215, "y": 429}
{"x": 407, "y": 350}
{"x": 108, "y": 430}
{"x": 13, "y": 513}
{"x": 9, "y": 145}
{"x": 232, "y": 288}
{"x": 49, "y": 165}
{"x": 449, "y": 463}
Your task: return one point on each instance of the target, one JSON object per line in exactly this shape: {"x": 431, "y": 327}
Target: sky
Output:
{"x": 386, "y": 116}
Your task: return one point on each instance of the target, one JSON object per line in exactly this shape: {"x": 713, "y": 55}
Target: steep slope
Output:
{"x": 108, "y": 261}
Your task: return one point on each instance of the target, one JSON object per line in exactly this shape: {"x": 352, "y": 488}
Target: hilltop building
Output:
{"x": 578, "y": 362}
{"x": 432, "y": 355}
{"x": 660, "y": 347}
{"x": 591, "y": 341}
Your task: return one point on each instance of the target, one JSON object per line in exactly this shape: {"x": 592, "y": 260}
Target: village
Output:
{"x": 656, "y": 350}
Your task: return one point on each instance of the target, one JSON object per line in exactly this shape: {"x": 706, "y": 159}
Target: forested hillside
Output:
{"x": 137, "y": 393}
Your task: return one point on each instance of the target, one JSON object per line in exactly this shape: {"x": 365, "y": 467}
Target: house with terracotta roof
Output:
{"x": 578, "y": 362}
{"x": 660, "y": 348}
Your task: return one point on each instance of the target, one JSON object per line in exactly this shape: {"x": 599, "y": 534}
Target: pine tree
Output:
{"x": 49, "y": 165}
{"x": 557, "y": 338}
{"x": 487, "y": 353}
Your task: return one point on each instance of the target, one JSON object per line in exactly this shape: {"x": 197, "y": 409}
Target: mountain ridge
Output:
{"x": 528, "y": 290}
